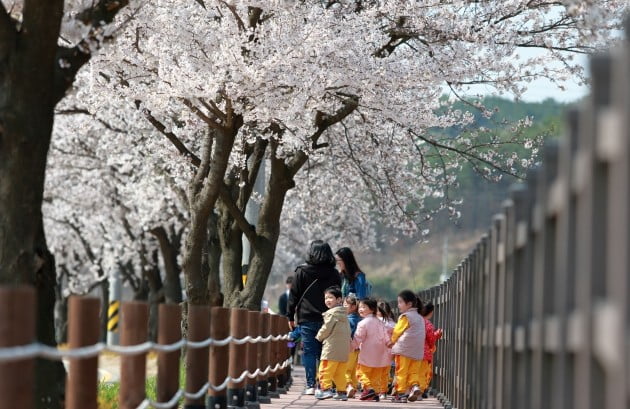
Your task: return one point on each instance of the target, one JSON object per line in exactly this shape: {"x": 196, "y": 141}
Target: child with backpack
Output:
{"x": 374, "y": 358}
{"x": 335, "y": 336}
{"x": 407, "y": 344}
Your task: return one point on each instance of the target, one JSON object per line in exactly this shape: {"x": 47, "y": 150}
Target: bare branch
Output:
{"x": 232, "y": 8}
{"x": 211, "y": 122}
{"x": 194, "y": 159}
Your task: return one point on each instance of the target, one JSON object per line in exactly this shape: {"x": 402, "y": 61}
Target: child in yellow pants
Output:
{"x": 374, "y": 357}
{"x": 408, "y": 347}
{"x": 352, "y": 307}
{"x": 335, "y": 336}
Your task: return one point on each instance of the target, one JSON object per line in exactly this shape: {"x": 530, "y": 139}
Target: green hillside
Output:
{"x": 414, "y": 265}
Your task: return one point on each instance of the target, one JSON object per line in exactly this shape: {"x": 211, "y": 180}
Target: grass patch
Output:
{"x": 107, "y": 392}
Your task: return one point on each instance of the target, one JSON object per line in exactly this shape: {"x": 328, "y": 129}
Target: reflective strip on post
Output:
{"x": 113, "y": 316}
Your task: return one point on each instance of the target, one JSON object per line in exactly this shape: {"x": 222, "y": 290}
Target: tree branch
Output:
{"x": 71, "y": 59}
{"x": 324, "y": 121}
{"x": 237, "y": 214}
{"x": 206, "y": 161}
{"x": 194, "y": 159}
{"x": 211, "y": 122}
{"x": 256, "y": 159}
{"x": 232, "y": 8}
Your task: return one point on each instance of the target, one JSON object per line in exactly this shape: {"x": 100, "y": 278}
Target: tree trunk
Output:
{"x": 203, "y": 195}
{"x": 61, "y": 312}
{"x": 49, "y": 375}
{"x": 26, "y": 119}
{"x": 214, "y": 263}
{"x": 170, "y": 251}
{"x": 231, "y": 253}
{"x": 267, "y": 232}
{"x": 155, "y": 294}
{"x": 31, "y": 83}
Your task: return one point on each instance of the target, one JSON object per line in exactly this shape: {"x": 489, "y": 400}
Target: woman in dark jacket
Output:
{"x": 306, "y": 303}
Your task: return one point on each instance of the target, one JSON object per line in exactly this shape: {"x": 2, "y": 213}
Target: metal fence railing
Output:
{"x": 537, "y": 316}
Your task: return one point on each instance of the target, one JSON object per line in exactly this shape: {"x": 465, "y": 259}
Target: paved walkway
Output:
{"x": 294, "y": 399}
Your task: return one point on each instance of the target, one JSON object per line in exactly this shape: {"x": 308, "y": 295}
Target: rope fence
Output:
{"x": 233, "y": 356}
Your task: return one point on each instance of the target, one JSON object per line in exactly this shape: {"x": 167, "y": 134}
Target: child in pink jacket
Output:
{"x": 374, "y": 357}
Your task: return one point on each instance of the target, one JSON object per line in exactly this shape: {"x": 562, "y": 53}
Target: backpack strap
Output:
{"x": 297, "y": 306}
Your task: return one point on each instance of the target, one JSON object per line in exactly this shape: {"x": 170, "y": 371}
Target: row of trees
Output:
{"x": 165, "y": 112}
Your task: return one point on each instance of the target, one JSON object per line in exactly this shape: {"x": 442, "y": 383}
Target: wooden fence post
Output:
{"x": 253, "y": 328}
{"x": 272, "y": 347}
{"x": 17, "y": 327}
{"x": 197, "y": 359}
{"x": 238, "y": 357}
{"x": 283, "y": 352}
{"x": 134, "y": 330}
{"x": 83, "y": 330}
{"x": 169, "y": 332}
{"x": 263, "y": 360}
{"x": 219, "y": 357}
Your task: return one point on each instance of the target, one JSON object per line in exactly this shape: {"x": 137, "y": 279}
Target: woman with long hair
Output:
{"x": 354, "y": 280}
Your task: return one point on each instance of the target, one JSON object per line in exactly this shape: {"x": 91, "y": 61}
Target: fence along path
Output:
{"x": 233, "y": 355}
{"x": 537, "y": 316}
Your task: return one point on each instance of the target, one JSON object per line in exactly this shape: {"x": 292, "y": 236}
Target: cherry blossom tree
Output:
{"x": 36, "y": 68}
{"x": 341, "y": 99}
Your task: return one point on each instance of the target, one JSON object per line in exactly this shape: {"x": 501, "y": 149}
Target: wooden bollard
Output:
{"x": 219, "y": 357}
{"x": 238, "y": 358}
{"x": 83, "y": 330}
{"x": 197, "y": 358}
{"x": 17, "y": 327}
{"x": 287, "y": 354}
{"x": 281, "y": 327}
{"x": 169, "y": 332}
{"x": 273, "y": 358}
{"x": 253, "y": 328}
{"x": 134, "y": 330}
{"x": 263, "y": 360}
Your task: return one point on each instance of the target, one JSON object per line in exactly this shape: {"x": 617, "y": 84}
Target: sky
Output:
{"x": 542, "y": 89}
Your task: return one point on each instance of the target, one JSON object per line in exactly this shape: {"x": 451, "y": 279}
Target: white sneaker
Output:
{"x": 414, "y": 393}
{"x": 309, "y": 391}
{"x": 382, "y": 396}
{"x": 350, "y": 391}
{"x": 325, "y": 394}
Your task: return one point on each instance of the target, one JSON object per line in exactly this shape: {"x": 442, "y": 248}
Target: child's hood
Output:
{"x": 338, "y": 313}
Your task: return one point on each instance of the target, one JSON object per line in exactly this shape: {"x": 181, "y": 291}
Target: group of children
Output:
{"x": 362, "y": 340}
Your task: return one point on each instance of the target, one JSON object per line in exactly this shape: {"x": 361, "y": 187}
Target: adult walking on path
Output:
{"x": 283, "y": 301}
{"x": 306, "y": 303}
{"x": 354, "y": 280}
